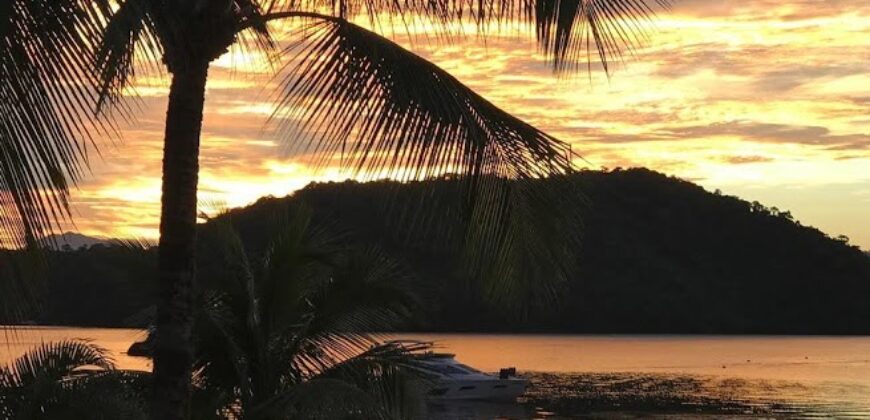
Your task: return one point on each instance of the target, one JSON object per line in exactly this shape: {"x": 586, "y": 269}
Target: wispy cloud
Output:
{"x": 730, "y": 94}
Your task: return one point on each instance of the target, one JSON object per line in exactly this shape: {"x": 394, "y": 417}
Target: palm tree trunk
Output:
{"x": 173, "y": 352}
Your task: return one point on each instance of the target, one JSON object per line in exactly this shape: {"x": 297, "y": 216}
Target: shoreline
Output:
{"x": 646, "y": 335}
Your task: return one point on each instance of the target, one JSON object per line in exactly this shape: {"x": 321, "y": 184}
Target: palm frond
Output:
{"x": 133, "y": 244}
{"x": 146, "y": 35}
{"x": 249, "y": 310}
{"x": 577, "y": 32}
{"x": 130, "y": 43}
{"x": 226, "y": 343}
{"x": 534, "y": 257}
{"x": 320, "y": 399}
{"x": 227, "y": 323}
{"x": 211, "y": 401}
{"x": 40, "y": 382}
{"x": 380, "y": 381}
{"x": 223, "y": 262}
{"x": 392, "y": 372}
{"x": 328, "y": 299}
{"x": 63, "y": 379}
{"x": 387, "y": 112}
{"x": 315, "y": 353}
{"x": 55, "y": 361}
{"x": 47, "y": 103}
{"x": 367, "y": 292}
{"x": 573, "y": 33}
{"x": 299, "y": 255}
{"x": 106, "y": 395}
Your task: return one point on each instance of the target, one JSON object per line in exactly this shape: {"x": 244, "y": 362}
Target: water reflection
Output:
{"x": 631, "y": 395}
{"x": 17, "y": 340}
{"x": 625, "y": 377}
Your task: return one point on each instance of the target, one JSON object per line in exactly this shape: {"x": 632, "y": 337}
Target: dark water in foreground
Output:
{"x": 625, "y": 376}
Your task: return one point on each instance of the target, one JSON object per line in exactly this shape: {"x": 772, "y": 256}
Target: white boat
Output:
{"x": 454, "y": 381}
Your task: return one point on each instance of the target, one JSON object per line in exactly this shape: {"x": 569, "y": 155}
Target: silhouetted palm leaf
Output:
{"x": 362, "y": 97}
{"x": 366, "y": 291}
{"x": 380, "y": 107}
{"x": 49, "y": 100}
{"x": 47, "y": 121}
{"x": 303, "y": 308}
{"x": 353, "y": 94}
{"x": 390, "y": 371}
{"x": 67, "y": 380}
{"x": 148, "y": 34}
{"x": 47, "y": 103}
{"x": 385, "y": 111}
{"x": 321, "y": 399}
{"x": 53, "y": 362}
{"x": 129, "y": 31}
{"x": 534, "y": 256}
{"x": 570, "y": 32}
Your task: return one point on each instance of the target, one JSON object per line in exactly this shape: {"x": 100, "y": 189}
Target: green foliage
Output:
{"x": 67, "y": 63}
{"x": 47, "y": 102}
{"x": 663, "y": 255}
{"x": 658, "y": 255}
{"x": 286, "y": 332}
{"x": 64, "y": 60}
{"x": 69, "y": 380}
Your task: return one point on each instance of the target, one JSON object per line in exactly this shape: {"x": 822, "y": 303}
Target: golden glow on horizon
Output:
{"x": 769, "y": 101}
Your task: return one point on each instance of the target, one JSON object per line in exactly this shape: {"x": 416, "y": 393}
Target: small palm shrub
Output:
{"x": 70, "y": 379}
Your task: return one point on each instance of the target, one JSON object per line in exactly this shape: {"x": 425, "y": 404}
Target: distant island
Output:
{"x": 70, "y": 241}
{"x": 659, "y": 255}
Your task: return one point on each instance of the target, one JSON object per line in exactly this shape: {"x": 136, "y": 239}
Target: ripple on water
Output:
{"x": 630, "y": 395}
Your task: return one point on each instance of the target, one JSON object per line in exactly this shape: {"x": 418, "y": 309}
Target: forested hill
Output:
{"x": 659, "y": 255}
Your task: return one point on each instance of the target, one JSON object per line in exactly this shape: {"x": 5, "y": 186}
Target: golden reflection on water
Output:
{"x": 839, "y": 359}
{"x": 670, "y": 376}
{"x": 18, "y": 340}
{"x": 577, "y": 376}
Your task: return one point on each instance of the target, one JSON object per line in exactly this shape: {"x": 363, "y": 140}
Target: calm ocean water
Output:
{"x": 625, "y": 376}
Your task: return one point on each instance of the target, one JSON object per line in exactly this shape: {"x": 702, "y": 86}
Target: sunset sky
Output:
{"x": 768, "y": 100}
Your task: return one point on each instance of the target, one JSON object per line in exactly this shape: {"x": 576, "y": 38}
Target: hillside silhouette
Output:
{"x": 659, "y": 255}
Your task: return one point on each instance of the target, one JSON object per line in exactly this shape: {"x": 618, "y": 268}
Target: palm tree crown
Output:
{"x": 288, "y": 333}
{"x": 61, "y": 60}
{"x": 350, "y": 92}
{"x": 67, "y": 380}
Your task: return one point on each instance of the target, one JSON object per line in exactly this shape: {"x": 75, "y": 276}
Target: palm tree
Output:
{"x": 48, "y": 101}
{"x": 69, "y": 380}
{"x": 361, "y": 95}
{"x": 46, "y": 111}
{"x": 286, "y": 334}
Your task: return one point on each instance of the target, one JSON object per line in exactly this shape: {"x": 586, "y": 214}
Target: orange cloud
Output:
{"x": 750, "y": 97}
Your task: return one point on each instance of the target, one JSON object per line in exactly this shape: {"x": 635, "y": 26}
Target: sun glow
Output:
{"x": 750, "y": 98}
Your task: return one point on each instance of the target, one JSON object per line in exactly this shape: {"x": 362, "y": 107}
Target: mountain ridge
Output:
{"x": 660, "y": 255}
{"x": 73, "y": 240}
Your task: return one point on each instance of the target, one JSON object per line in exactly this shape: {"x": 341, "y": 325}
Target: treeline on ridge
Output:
{"x": 659, "y": 255}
